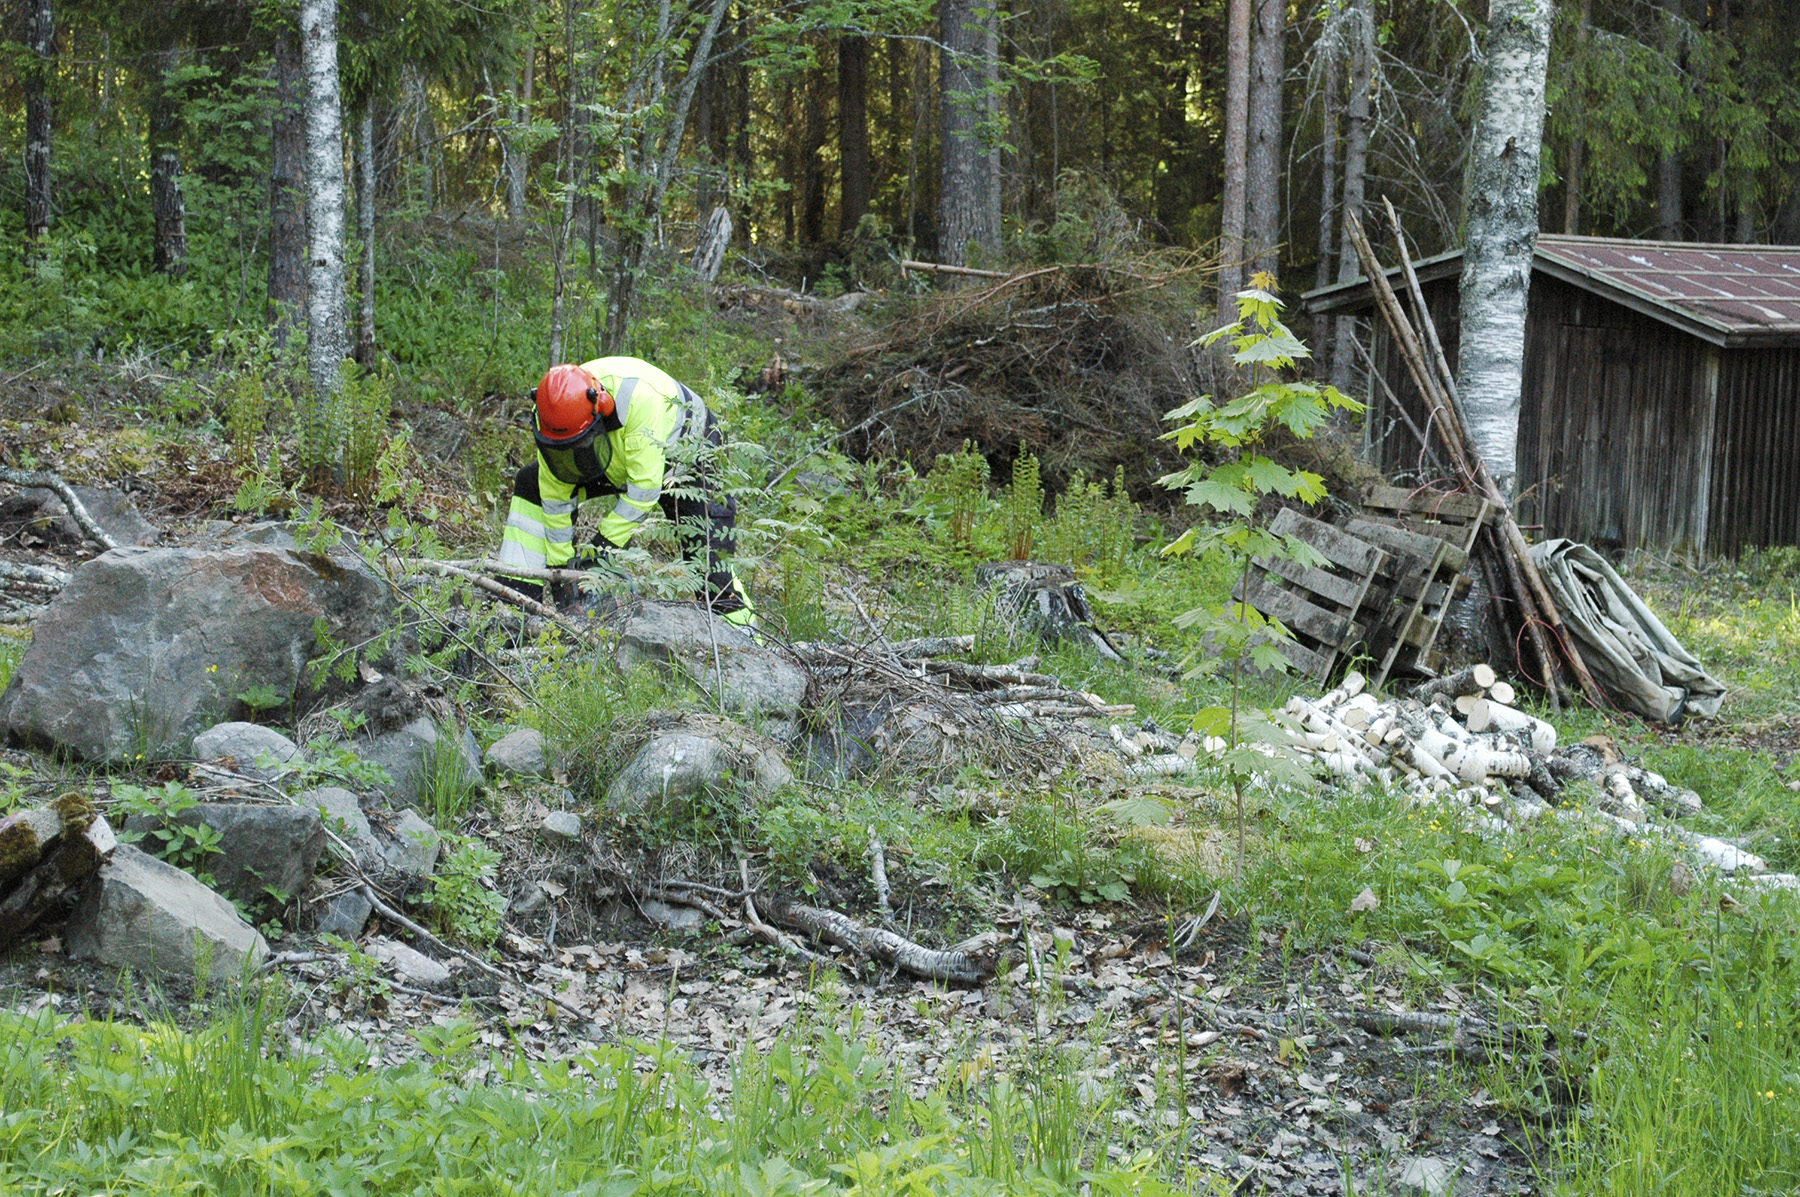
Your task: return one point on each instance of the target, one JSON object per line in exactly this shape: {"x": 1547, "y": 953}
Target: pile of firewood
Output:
{"x": 46, "y": 854}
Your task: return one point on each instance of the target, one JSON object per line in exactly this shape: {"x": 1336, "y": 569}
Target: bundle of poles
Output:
{"x": 1508, "y": 571}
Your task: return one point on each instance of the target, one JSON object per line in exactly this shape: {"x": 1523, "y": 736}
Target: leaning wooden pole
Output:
{"x": 1508, "y": 525}
{"x": 1454, "y": 437}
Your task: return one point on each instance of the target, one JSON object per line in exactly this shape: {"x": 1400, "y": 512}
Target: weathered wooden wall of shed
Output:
{"x": 1756, "y": 472}
{"x": 1616, "y": 424}
{"x": 1393, "y": 446}
{"x": 1615, "y": 421}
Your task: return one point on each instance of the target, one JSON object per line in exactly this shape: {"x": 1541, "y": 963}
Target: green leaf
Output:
{"x": 1138, "y": 810}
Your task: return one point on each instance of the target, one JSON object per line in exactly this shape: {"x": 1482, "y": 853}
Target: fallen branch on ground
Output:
{"x": 969, "y": 963}
{"x": 48, "y": 480}
{"x": 34, "y": 575}
{"x": 505, "y": 594}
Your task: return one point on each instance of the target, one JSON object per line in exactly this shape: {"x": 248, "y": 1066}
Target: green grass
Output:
{"x": 228, "y": 1108}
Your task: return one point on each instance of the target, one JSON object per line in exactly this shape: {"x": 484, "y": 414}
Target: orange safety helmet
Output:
{"x": 569, "y": 404}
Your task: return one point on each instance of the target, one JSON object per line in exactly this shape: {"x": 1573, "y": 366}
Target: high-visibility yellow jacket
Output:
{"x": 655, "y": 414}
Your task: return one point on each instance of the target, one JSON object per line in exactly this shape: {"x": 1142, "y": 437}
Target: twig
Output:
{"x": 941, "y": 268}
{"x": 506, "y": 594}
{"x": 878, "y": 875}
{"x": 394, "y": 916}
{"x": 874, "y": 943}
{"x": 78, "y": 511}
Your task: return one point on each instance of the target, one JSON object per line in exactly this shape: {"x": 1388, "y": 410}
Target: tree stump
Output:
{"x": 1046, "y": 600}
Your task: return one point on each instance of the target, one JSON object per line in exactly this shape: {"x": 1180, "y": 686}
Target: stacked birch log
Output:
{"x": 1458, "y": 741}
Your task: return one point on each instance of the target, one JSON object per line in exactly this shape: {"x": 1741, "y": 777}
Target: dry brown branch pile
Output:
{"x": 1078, "y": 362}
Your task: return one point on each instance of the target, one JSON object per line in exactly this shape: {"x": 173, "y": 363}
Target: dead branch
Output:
{"x": 34, "y": 575}
{"x": 785, "y": 942}
{"x": 505, "y": 594}
{"x": 49, "y": 480}
{"x": 879, "y": 878}
{"x": 888, "y": 947}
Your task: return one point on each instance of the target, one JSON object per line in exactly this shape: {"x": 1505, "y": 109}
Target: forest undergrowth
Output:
{"x": 1669, "y": 995}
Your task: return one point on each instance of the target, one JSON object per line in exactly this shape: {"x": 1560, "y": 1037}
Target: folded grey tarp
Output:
{"x": 1628, "y": 650}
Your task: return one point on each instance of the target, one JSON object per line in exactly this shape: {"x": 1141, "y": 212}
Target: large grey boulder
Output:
{"x": 261, "y": 847}
{"x": 242, "y": 745}
{"x": 39, "y": 511}
{"x": 343, "y": 815}
{"x": 412, "y": 753}
{"x": 521, "y": 753}
{"x": 146, "y": 647}
{"x": 688, "y": 756}
{"x": 748, "y": 679}
{"x": 141, "y": 913}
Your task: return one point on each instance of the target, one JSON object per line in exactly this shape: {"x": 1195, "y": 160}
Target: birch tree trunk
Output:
{"x": 853, "y": 132}
{"x": 1262, "y": 168}
{"x": 1502, "y": 230}
{"x": 287, "y": 195}
{"x": 325, "y": 343}
{"x": 1359, "y": 28}
{"x": 168, "y": 207}
{"x": 1237, "y": 115}
{"x": 40, "y": 123}
{"x": 964, "y": 192}
{"x": 365, "y": 234}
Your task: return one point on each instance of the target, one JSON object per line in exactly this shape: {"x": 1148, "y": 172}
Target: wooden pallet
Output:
{"x": 1406, "y": 606}
{"x": 1320, "y": 606}
{"x": 1452, "y": 518}
{"x": 1455, "y": 520}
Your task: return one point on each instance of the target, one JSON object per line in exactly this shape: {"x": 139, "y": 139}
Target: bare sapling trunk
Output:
{"x": 518, "y": 159}
{"x": 287, "y": 191}
{"x": 325, "y": 348}
{"x": 964, "y": 191}
{"x": 1359, "y": 28}
{"x": 40, "y": 123}
{"x": 1502, "y": 231}
{"x": 168, "y": 207}
{"x": 1237, "y": 116}
{"x": 1668, "y": 165}
{"x": 1262, "y": 167}
{"x": 365, "y": 233}
{"x": 1329, "y": 49}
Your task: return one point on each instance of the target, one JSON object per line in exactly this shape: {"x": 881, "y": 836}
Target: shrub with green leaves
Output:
{"x": 463, "y": 903}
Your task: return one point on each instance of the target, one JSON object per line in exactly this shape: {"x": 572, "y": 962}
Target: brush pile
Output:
{"x": 1076, "y": 362}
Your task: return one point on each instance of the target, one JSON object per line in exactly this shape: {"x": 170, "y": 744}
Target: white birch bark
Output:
{"x": 1502, "y": 230}
{"x": 326, "y": 341}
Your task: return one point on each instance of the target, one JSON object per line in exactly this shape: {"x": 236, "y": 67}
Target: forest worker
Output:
{"x": 608, "y": 429}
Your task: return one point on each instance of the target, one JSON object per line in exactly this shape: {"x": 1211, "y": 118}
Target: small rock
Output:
{"x": 529, "y": 901}
{"x": 345, "y": 915}
{"x": 261, "y": 848}
{"x": 415, "y": 847}
{"x": 244, "y": 744}
{"x": 691, "y": 755}
{"x": 1427, "y": 1174}
{"x": 562, "y": 826}
{"x": 520, "y": 752}
{"x": 144, "y": 914}
{"x": 675, "y": 918}
{"x": 411, "y": 967}
{"x": 411, "y": 754}
{"x": 343, "y": 815}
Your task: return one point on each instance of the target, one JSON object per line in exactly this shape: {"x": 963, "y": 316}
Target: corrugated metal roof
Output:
{"x": 1743, "y": 289}
{"x": 1726, "y": 294}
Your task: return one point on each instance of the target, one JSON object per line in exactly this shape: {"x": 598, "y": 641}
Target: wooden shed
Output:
{"x": 1661, "y": 406}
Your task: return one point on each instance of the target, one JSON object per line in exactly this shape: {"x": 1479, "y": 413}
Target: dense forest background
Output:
{"x": 594, "y": 139}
